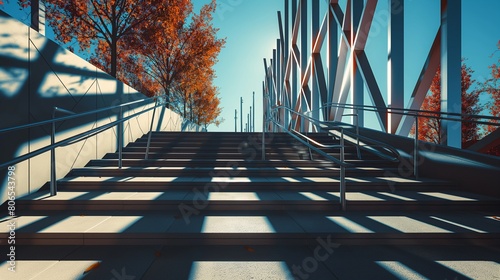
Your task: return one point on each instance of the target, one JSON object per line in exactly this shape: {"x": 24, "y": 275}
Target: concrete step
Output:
{"x": 232, "y": 172}
{"x": 273, "y": 262}
{"x": 250, "y": 161}
{"x": 256, "y": 228}
{"x": 248, "y": 183}
{"x": 224, "y": 200}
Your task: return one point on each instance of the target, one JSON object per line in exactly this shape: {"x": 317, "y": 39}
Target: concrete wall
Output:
{"x": 37, "y": 75}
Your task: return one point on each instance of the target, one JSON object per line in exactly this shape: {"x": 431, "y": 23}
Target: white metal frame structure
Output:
{"x": 296, "y": 76}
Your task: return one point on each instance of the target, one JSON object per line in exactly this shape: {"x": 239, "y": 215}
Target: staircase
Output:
{"x": 206, "y": 189}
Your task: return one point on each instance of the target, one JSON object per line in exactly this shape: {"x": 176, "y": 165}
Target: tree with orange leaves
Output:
{"x": 430, "y": 127}
{"x": 180, "y": 57}
{"x": 492, "y": 87}
{"x": 109, "y": 25}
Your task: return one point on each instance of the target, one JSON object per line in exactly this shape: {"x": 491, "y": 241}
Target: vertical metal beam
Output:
{"x": 451, "y": 70}
{"x": 333, "y": 50}
{"x": 395, "y": 63}
{"x": 294, "y": 80}
{"x": 315, "y": 98}
{"x": 286, "y": 60}
{"x": 357, "y": 86}
{"x": 241, "y": 114}
{"x": 304, "y": 59}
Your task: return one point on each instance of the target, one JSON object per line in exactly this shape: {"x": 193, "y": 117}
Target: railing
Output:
{"x": 82, "y": 136}
{"x": 419, "y": 114}
{"x": 311, "y": 144}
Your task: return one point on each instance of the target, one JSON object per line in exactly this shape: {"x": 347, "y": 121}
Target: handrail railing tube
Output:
{"x": 357, "y": 132}
{"x": 340, "y": 162}
{"x": 401, "y": 111}
{"x": 329, "y": 157}
{"x": 9, "y": 129}
{"x": 71, "y": 140}
{"x": 53, "y": 175}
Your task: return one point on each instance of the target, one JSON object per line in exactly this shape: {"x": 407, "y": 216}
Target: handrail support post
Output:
{"x": 415, "y": 149}
{"x": 119, "y": 141}
{"x": 53, "y": 175}
{"x": 342, "y": 172}
{"x": 53, "y": 183}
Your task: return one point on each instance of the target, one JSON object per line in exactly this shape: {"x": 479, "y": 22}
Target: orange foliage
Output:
{"x": 430, "y": 128}
{"x": 492, "y": 87}
{"x": 106, "y": 24}
{"x": 156, "y": 46}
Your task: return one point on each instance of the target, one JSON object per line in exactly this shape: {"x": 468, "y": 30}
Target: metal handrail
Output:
{"x": 76, "y": 138}
{"x": 416, "y": 114}
{"x": 376, "y": 143}
{"x": 411, "y": 112}
{"x": 356, "y": 134}
{"x": 341, "y": 162}
{"x": 9, "y": 129}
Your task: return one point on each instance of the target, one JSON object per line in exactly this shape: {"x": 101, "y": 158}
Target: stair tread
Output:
{"x": 258, "y": 222}
{"x": 259, "y": 196}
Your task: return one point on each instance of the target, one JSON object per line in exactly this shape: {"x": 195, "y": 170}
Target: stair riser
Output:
{"x": 224, "y": 186}
{"x": 229, "y": 163}
{"x": 324, "y": 207}
{"x": 257, "y": 239}
{"x": 230, "y": 173}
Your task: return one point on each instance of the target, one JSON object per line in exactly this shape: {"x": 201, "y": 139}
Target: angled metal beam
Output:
{"x": 296, "y": 22}
{"x": 372, "y": 86}
{"x": 340, "y": 78}
{"x": 320, "y": 38}
{"x": 365, "y": 24}
{"x": 424, "y": 81}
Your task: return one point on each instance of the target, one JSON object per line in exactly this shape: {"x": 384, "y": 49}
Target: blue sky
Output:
{"x": 251, "y": 29}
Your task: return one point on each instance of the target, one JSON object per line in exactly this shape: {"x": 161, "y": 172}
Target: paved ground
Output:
{"x": 325, "y": 260}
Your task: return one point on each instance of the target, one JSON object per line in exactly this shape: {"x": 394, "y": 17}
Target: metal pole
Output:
{"x": 53, "y": 183}
{"x": 263, "y": 126}
{"x": 53, "y": 177}
{"x": 415, "y": 149}
{"x": 119, "y": 134}
{"x": 250, "y": 121}
{"x": 150, "y": 131}
{"x": 241, "y": 113}
{"x": 342, "y": 171}
{"x": 235, "y": 120}
{"x": 357, "y": 133}
{"x": 253, "y": 121}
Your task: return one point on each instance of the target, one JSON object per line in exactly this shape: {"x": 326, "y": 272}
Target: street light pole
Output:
{"x": 235, "y": 120}
{"x": 253, "y": 120}
{"x": 241, "y": 113}
{"x": 250, "y": 121}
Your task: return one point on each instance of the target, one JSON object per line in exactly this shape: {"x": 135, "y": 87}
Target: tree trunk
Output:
{"x": 113, "y": 57}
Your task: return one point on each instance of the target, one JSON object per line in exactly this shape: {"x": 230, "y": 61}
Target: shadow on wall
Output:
{"x": 36, "y": 75}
